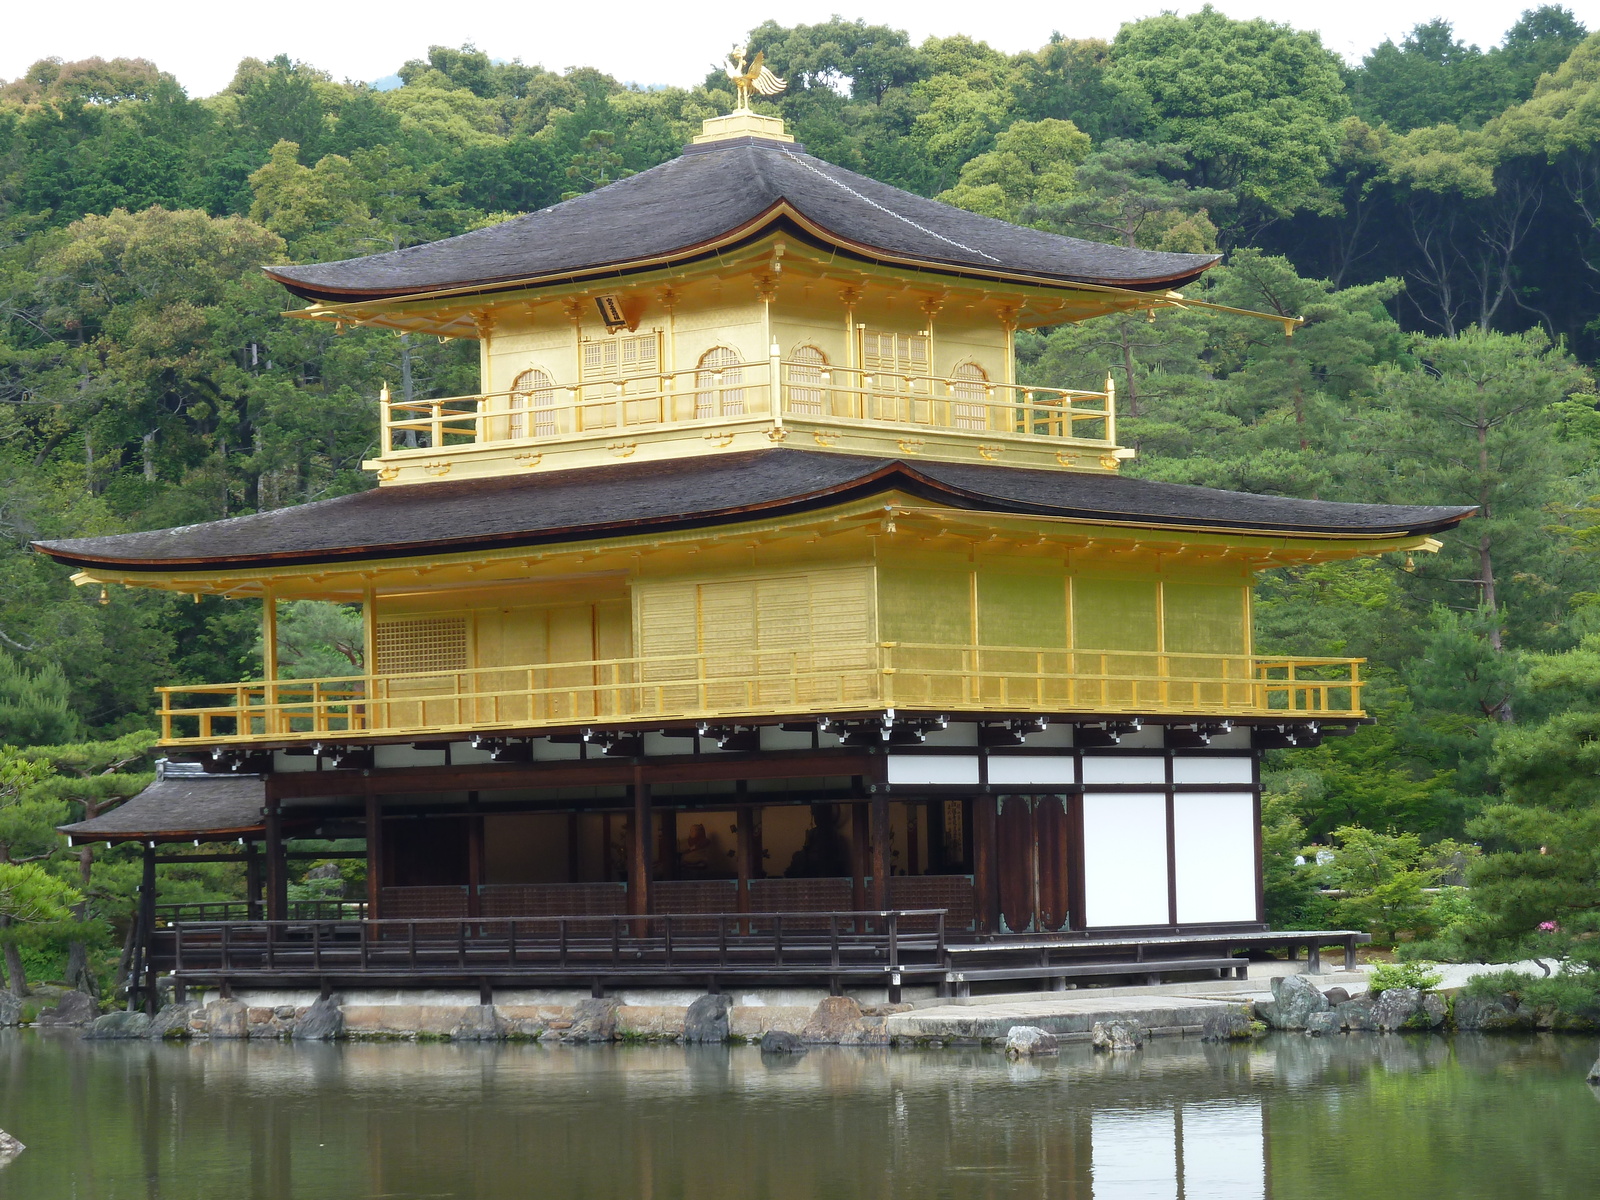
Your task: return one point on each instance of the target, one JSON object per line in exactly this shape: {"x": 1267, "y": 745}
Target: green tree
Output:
{"x": 1255, "y": 104}
{"x": 1031, "y": 167}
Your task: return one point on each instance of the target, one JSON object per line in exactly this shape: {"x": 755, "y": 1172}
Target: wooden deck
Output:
{"x": 887, "y": 948}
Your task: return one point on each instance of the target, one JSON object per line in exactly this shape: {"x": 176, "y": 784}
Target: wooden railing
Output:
{"x": 872, "y": 944}
{"x": 239, "y": 910}
{"x": 733, "y": 683}
{"x": 771, "y": 389}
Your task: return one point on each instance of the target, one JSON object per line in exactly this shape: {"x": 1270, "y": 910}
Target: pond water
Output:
{"x": 1396, "y": 1118}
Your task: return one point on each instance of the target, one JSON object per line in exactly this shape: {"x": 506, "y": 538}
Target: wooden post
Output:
{"x": 984, "y": 876}
{"x": 252, "y": 881}
{"x": 859, "y": 857}
{"x": 572, "y": 846}
{"x": 147, "y": 923}
{"x": 667, "y": 844}
{"x": 277, "y": 867}
{"x": 879, "y": 806}
{"x": 374, "y": 856}
{"x": 639, "y": 856}
{"x": 938, "y": 854}
{"x": 744, "y": 855}
{"x": 474, "y": 857}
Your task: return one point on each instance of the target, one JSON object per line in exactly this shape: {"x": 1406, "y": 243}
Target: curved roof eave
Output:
{"x": 748, "y": 231}
{"x": 1167, "y": 507}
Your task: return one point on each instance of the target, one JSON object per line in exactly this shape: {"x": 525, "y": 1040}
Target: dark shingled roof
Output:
{"x": 181, "y": 808}
{"x": 734, "y": 189}
{"x": 527, "y": 510}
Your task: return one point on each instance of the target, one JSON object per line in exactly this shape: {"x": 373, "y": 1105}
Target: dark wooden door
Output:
{"x": 1031, "y": 853}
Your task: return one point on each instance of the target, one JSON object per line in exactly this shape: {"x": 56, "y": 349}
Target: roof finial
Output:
{"x": 758, "y": 77}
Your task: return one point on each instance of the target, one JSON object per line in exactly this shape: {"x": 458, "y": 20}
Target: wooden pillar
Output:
{"x": 859, "y": 856}
{"x": 252, "y": 881}
{"x": 572, "y": 846}
{"x": 474, "y": 857}
{"x": 879, "y": 815}
{"x": 744, "y": 855}
{"x": 639, "y": 848}
{"x": 938, "y": 853}
{"x": 985, "y": 878}
{"x": 277, "y": 866}
{"x": 374, "y": 856}
{"x": 913, "y": 835}
{"x": 667, "y": 844}
{"x": 147, "y": 923}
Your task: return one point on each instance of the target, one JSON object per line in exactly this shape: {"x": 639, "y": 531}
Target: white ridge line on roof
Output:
{"x": 923, "y": 228}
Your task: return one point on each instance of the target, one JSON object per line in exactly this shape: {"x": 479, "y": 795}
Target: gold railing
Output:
{"x": 805, "y": 391}
{"x": 732, "y": 683}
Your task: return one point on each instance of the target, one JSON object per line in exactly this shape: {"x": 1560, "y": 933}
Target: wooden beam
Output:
{"x": 984, "y": 878}
{"x": 599, "y": 772}
{"x": 639, "y": 847}
{"x": 277, "y": 867}
{"x": 374, "y": 815}
{"x": 879, "y": 806}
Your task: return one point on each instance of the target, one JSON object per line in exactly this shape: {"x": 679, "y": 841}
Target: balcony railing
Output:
{"x": 738, "y": 683}
{"x": 773, "y": 390}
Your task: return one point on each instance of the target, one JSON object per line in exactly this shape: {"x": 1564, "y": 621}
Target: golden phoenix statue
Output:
{"x": 757, "y": 77}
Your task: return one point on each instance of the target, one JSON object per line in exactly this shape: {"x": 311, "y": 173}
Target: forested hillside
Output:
{"x": 1433, "y": 213}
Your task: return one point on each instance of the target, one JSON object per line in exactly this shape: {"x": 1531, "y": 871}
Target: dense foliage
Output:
{"x": 1433, "y": 213}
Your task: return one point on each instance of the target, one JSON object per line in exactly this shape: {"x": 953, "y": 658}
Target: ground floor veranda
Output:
{"x": 946, "y": 855}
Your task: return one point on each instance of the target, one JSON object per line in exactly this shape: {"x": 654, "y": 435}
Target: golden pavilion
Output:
{"x": 752, "y": 622}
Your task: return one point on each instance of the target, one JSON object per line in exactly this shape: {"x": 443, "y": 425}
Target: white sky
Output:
{"x": 638, "y": 41}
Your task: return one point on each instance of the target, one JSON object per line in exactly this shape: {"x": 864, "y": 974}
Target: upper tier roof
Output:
{"x": 627, "y": 499}
{"x": 725, "y": 191}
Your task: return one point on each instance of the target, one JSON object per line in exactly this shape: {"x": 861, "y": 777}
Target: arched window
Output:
{"x": 808, "y": 372}
{"x": 533, "y": 390}
{"x": 717, "y": 381}
{"x": 970, "y": 384}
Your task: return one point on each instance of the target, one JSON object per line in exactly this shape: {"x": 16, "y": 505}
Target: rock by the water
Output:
{"x": 778, "y": 1041}
{"x": 593, "y": 1021}
{"x": 1294, "y": 998}
{"x": 1491, "y": 1014}
{"x": 74, "y": 1008}
{"x": 1117, "y": 1035}
{"x": 1594, "y": 1072}
{"x": 1336, "y": 996}
{"x": 120, "y": 1025}
{"x": 1407, "y": 1009}
{"x": 707, "y": 1020}
{"x": 1236, "y": 1023}
{"x": 1025, "y": 1041}
{"x": 226, "y": 1019}
{"x": 173, "y": 1021}
{"x": 835, "y": 1017}
{"x": 9, "y": 1147}
{"x": 1356, "y": 1015}
{"x": 322, "y": 1022}
{"x": 10, "y": 1009}
{"x": 1320, "y": 1024}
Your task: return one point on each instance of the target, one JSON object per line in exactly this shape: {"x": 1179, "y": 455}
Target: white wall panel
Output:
{"x": 1034, "y": 768}
{"x": 1125, "y": 859}
{"x": 1211, "y": 770}
{"x": 933, "y": 768}
{"x": 1117, "y": 768}
{"x": 1215, "y": 837}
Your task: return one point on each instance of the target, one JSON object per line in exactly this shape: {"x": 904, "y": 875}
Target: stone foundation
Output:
{"x": 570, "y": 1017}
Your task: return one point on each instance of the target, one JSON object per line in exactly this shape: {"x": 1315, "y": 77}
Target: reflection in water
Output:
{"x": 1293, "y": 1117}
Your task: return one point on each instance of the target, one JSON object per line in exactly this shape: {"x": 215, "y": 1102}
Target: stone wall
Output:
{"x": 570, "y": 1019}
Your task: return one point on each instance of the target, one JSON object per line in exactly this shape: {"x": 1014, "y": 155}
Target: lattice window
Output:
{"x": 533, "y": 390}
{"x": 621, "y": 357}
{"x": 422, "y": 644}
{"x": 896, "y": 369}
{"x": 717, "y": 381}
{"x": 808, "y": 371}
{"x": 972, "y": 386}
